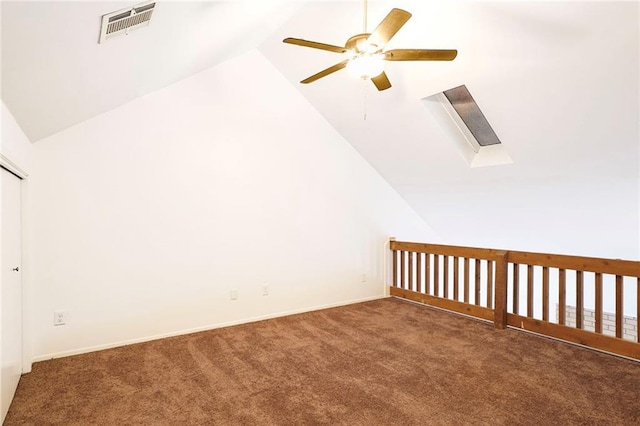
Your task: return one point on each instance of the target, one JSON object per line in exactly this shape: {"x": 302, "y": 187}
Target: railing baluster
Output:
{"x": 419, "y": 272}
{"x": 410, "y": 283}
{"x": 545, "y": 293}
{"x": 466, "y": 279}
{"x": 516, "y": 288}
{"x": 427, "y": 275}
{"x": 619, "y": 306}
{"x": 477, "y": 270}
{"x": 395, "y": 268}
{"x": 402, "y": 268}
{"x": 598, "y": 313}
{"x": 445, "y": 283}
{"x": 489, "y": 284}
{"x": 562, "y": 296}
{"x": 456, "y": 270}
{"x": 436, "y": 270}
{"x": 579, "y": 299}
{"x": 530, "y": 291}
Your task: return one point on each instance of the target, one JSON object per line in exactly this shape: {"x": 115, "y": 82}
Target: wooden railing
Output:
{"x": 515, "y": 289}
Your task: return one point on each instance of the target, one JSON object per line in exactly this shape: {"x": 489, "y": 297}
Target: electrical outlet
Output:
{"x": 234, "y": 294}
{"x": 59, "y": 318}
{"x": 265, "y": 290}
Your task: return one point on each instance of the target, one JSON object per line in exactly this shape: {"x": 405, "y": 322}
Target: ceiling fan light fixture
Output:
{"x": 366, "y": 66}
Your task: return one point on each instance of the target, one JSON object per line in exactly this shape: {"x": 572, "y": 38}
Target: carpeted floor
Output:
{"x": 386, "y": 362}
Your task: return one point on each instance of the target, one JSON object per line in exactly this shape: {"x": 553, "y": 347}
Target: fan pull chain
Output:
{"x": 365, "y": 86}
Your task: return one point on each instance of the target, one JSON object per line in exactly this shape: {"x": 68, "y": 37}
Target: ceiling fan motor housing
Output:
{"x": 358, "y": 43}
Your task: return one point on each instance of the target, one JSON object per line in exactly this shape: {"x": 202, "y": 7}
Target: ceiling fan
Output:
{"x": 365, "y": 52}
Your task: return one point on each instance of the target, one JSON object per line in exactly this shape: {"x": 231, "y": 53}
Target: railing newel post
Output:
{"x": 500, "y": 293}
{"x": 394, "y": 263}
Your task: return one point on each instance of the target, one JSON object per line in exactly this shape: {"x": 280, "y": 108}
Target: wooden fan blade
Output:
{"x": 381, "y": 81}
{"x": 389, "y": 27}
{"x": 420, "y": 55}
{"x": 315, "y": 45}
{"x": 326, "y": 72}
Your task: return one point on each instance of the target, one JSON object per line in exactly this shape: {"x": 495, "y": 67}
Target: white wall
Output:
{"x": 146, "y": 217}
{"x": 580, "y": 214}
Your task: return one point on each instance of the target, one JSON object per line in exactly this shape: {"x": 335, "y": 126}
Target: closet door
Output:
{"x": 11, "y": 291}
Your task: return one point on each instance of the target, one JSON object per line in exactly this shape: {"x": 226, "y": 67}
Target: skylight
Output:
{"x": 464, "y": 123}
{"x": 469, "y": 111}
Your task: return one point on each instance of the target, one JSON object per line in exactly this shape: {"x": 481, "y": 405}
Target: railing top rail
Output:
{"x": 628, "y": 268}
{"x": 445, "y": 250}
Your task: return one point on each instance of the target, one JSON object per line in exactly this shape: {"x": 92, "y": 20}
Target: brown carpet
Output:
{"x": 384, "y": 362}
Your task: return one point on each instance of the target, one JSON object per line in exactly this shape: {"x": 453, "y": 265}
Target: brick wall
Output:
{"x": 629, "y": 324}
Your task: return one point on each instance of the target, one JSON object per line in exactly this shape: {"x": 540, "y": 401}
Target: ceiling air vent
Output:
{"x": 121, "y": 22}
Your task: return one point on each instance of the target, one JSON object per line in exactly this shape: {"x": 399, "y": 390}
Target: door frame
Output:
{"x": 27, "y": 355}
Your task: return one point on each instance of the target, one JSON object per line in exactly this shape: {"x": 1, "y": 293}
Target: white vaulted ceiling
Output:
{"x": 558, "y": 81}
{"x": 55, "y": 74}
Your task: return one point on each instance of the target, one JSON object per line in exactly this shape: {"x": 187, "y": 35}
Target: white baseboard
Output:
{"x": 197, "y": 329}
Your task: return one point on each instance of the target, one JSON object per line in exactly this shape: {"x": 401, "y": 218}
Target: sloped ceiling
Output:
{"x": 55, "y": 74}
{"x": 552, "y": 78}
{"x": 558, "y": 81}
